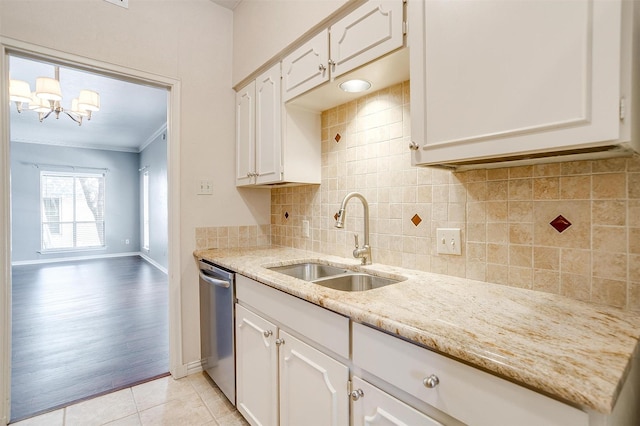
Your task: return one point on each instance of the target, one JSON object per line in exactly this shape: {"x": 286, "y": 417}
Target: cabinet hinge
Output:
{"x": 622, "y": 109}
{"x": 349, "y": 387}
{"x": 405, "y": 27}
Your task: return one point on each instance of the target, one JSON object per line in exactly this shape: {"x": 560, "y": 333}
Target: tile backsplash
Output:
{"x": 504, "y": 214}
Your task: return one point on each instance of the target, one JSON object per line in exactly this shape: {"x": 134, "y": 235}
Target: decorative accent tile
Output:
{"x": 337, "y": 138}
{"x": 416, "y": 219}
{"x": 335, "y": 216}
{"x": 560, "y": 223}
{"x": 286, "y": 215}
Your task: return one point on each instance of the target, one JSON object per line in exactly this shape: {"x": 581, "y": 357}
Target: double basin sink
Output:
{"x": 334, "y": 277}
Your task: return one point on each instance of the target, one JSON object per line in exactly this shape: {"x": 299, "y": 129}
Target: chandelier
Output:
{"x": 48, "y": 97}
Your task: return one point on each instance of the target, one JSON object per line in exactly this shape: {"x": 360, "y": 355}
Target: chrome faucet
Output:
{"x": 363, "y": 253}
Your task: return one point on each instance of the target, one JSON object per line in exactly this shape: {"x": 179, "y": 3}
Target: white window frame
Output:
{"x": 75, "y": 222}
{"x": 145, "y": 211}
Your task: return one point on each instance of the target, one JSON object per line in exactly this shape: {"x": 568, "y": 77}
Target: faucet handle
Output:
{"x": 356, "y": 238}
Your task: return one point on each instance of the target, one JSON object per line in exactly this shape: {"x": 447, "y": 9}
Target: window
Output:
{"x": 72, "y": 211}
{"x": 145, "y": 211}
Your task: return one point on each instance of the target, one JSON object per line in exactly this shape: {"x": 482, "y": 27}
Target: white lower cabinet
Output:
{"x": 457, "y": 390}
{"x": 313, "y": 386}
{"x": 372, "y": 406}
{"x": 281, "y": 380}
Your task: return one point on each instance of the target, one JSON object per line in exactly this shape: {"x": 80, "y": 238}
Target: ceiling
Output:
{"x": 130, "y": 116}
{"x": 229, "y": 4}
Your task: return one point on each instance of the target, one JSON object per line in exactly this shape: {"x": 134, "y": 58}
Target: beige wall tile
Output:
{"x": 546, "y": 188}
{"x": 575, "y": 261}
{"x": 547, "y": 281}
{"x": 609, "y": 185}
{"x": 520, "y": 189}
{"x": 609, "y": 265}
{"x": 609, "y": 212}
{"x": 609, "y": 292}
{"x": 575, "y": 187}
{"x": 576, "y": 168}
{"x": 498, "y": 253}
{"x": 634, "y": 240}
{"x": 575, "y": 286}
{"x": 520, "y": 256}
{"x": 609, "y": 238}
{"x": 546, "y": 258}
{"x": 521, "y": 233}
{"x": 634, "y": 186}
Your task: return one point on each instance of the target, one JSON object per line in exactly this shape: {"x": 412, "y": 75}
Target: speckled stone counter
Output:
{"x": 575, "y": 351}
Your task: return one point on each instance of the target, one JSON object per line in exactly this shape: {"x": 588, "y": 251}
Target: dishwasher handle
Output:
{"x": 209, "y": 279}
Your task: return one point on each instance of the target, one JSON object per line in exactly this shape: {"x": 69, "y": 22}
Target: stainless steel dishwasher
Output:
{"x": 217, "y": 300}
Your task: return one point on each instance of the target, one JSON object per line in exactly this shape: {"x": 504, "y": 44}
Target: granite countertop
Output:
{"x": 576, "y": 351}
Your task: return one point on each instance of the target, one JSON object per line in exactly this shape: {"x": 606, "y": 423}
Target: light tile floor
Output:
{"x": 193, "y": 400}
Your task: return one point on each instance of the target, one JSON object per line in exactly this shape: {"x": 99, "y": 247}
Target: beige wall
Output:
{"x": 504, "y": 213}
{"x": 262, "y": 29}
{"x": 187, "y": 40}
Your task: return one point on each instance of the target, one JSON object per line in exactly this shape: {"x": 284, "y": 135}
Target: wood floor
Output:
{"x": 81, "y": 329}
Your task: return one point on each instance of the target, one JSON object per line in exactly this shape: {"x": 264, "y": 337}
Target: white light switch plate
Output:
{"x": 448, "y": 240}
{"x": 205, "y": 187}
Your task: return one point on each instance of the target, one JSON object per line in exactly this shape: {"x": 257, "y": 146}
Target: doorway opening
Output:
{"x": 90, "y": 241}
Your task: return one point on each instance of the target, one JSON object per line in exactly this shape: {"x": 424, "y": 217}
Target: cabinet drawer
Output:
{"x": 463, "y": 392}
{"x": 320, "y": 325}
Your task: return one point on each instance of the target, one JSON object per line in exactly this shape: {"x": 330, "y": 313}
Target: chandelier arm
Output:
{"x": 44, "y": 117}
{"x": 79, "y": 121}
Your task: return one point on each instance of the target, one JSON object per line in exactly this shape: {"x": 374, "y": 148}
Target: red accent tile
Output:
{"x": 560, "y": 223}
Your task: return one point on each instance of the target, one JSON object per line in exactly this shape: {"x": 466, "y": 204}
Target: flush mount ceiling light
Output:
{"x": 355, "y": 86}
{"x": 47, "y": 97}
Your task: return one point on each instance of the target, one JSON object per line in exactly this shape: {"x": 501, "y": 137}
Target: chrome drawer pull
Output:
{"x": 279, "y": 342}
{"x": 431, "y": 382}
{"x": 267, "y": 333}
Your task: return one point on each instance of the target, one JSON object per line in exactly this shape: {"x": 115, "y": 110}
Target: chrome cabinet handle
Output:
{"x": 279, "y": 342}
{"x": 431, "y": 382}
{"x": 414, "y": 146}
{"x": 356, "y": 394}
{"x": 322, "y": 68}
{"x": 267, "y": 333}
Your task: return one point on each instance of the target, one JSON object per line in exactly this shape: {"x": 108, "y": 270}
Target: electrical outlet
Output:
{"x": 121, "y": 3}
{"x": 448, "y": 240}
{"x": 305, "y": 228}
{"x": 205, "y": 187}
{"x": 126, "y": 241}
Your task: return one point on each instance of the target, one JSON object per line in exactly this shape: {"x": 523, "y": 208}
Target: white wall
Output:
{"x": 187, "y": 40}
{"x": 261, "y": 29}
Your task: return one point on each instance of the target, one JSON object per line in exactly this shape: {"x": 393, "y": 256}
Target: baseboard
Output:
{"x": 194, "y": 367}
{"x": 153, "y": 262}
{"x": 75, "y": 258}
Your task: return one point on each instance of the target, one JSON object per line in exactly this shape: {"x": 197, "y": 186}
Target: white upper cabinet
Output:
{"x": 306, "y": 67}
{"x": 274, "y": 145}
{"x": 367, "y": 33}
{"x": 268, "y": 127}
{"x": 364, "y": 35}
{"x": 258, "y": 130}
{"x": 508, "y": 78}
{"x": 245, "y": 134}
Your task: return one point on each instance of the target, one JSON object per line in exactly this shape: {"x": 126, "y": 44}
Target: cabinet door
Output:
{"x": 245, "y": 134}
{"x": 256, "y": 368}
{"x": 501, "y": 78}
{"x": 313, "y": 386}
{"x": 376, "y": 408}
{"x": 306, "y": 67}
{"x": 367, "y": 33}
{"x": 268, "y": 127}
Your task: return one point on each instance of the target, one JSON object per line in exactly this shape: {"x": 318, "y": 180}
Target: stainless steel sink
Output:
{"x": 334, "y": 277}
{"x": 309, "y": 271}
{"x": 355, "y": 282}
